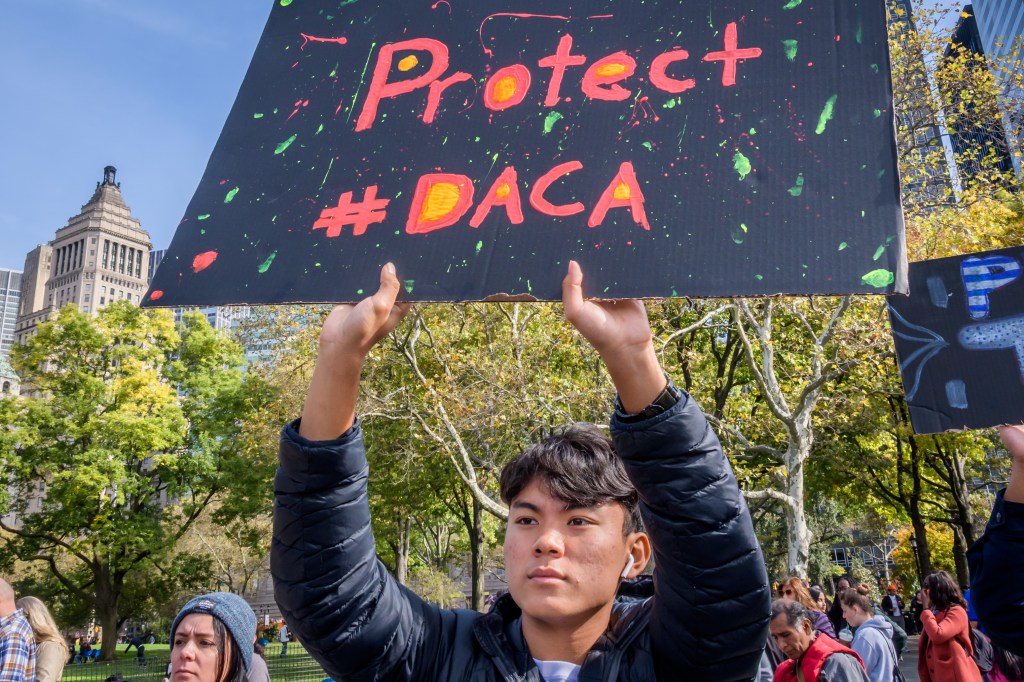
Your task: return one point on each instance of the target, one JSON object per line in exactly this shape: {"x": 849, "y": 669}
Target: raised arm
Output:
{"x": 621, "y": 335}
{"x": 348, "y": 334}
{"x": 997, "y": 571}
{"x": 336, "y": 597}
{"x": 711, "y": 604}
{"x": 1013, "y": 439}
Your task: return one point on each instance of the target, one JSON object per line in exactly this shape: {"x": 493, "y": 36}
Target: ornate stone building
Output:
{"x": 100, "y": 256}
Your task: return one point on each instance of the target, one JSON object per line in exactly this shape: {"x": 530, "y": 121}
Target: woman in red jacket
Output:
{"x": 945, "y": 647}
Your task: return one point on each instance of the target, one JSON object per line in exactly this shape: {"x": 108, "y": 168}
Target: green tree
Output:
{"x": 127, "y": 439}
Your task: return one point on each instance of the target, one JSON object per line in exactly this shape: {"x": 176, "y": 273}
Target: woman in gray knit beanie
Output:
{"x": 212, "y": 638}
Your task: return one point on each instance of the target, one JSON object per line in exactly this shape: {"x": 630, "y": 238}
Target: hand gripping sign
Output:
{"x": 668, "y": 149}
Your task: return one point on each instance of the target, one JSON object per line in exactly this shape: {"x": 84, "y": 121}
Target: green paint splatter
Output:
{"x": 319, "y": 130}
{"x": 753, "y": 131}
{"x": 649, "y": 146}
{"x": 479, "y": 246}
{"x": 284, "y": 145}
{"x": 408, "y": 285}
{"x": 878, "y": 279}
{"x": 266, "y": 264}
{"x": 790, "y": 47}
{"x": 739, "y": 234}
{"x": 797, "y": 189}
{"x": 878, "y": 252}
{"x": 202, "y": 231}
{"x": 881, "y": 173}
{"x": 826, "y": 114}
{"x": 230, "y": 196}
{"x": 843, "y": 246}
{"x": 550, "y": 120}
{"x": 874, "y": 67}
{"x": 285, "y": 3}
{"x": 359, "y": 292}
{"x": 792, "y": 4}
{"x": 877, "y": 113}
{"x": 860, "y": 33}
{"x": 204, "y": 216}
{"x": 759, "y": 277}
{"x": 741, "y": 164}
{"x": 257, "y": 115}
{"x": 671, "y": 104}
{"x": 324, "y": 181}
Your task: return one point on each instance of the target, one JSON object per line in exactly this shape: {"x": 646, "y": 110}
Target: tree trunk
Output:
{"x": 477, "y": 558}
{"x": 924, "y": 552}
{"x": 404, "y": 524}
{"x": 798, "y": 535}
{"x": 960, "y": 558}
{"x": 108, "y": 594}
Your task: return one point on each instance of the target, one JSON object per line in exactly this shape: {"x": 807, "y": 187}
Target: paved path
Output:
{"x": 908, "y": 664}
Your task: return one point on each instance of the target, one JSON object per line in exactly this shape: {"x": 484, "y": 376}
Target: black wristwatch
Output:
{"x": 665, "y": 401}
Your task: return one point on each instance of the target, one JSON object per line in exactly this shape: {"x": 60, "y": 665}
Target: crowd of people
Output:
{"x": 587, "y": 514}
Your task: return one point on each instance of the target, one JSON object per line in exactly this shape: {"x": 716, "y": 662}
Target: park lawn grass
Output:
{"x": 297, "y": 665}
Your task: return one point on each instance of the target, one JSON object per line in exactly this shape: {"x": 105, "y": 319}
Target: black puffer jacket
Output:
{"x": 996, "y": 561}
{"x": 707, "y": 618}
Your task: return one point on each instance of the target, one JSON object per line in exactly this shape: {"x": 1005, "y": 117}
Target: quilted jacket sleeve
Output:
{"x": 712, "y": 598}
{"x": 997, "y": 576}
{"x": 337, "y": 598}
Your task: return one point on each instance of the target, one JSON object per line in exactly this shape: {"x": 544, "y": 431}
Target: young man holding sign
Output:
{"x": 572, "y": 535}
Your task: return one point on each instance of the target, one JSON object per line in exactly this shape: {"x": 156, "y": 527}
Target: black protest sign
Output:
{"x": 672, "y": 148}
{"x": 960, "y": 341}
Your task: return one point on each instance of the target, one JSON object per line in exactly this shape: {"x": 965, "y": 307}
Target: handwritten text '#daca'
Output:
{"x": 509, "y": 85}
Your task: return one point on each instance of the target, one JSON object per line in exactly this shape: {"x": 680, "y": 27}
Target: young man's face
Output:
{"x": 564, "y": 565}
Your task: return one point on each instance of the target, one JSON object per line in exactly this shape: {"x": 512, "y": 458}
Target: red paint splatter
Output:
{"x": 434, "y": 6}
{"x": 156, "y": 295}
{"x": 203, "y": 261}
{"x": 313, "y": 39}
{"x": 489, "y": 52}
{"x": 298, "y": 105}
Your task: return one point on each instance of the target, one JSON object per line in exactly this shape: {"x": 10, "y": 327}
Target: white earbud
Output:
{"x": 629, "y": 565}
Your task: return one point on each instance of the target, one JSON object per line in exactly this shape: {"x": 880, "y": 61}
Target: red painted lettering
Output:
{"x": 660, "y": 78}
{"x": 600, "y": 79}
{"x": 544, "y": 206}
{"x": 380, "y": 88}
{"x": 504, "y": 192}
{"x": 624, "y": 190}
{"x": 506, "y": 87}
{"x": 731, "y": 55}
{"x": 558, "y": 62}
{"x": 440, "y": 200}
{"x": 359, "y": 215}
{"x": 435, "y": 90}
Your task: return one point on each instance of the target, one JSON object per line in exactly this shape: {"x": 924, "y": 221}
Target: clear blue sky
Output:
{"x": 143, "y": 85}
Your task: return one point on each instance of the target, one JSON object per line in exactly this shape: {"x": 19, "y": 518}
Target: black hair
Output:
{"x": 795, "y": 612}
{"x": 579, "y": 467}
{"x": 943, "y": 591}
{"x": 1009, "y": 663}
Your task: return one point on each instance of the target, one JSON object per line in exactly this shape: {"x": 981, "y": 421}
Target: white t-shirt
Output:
{"x": 283, "y": 635}
{"x": 558, "y": 671}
